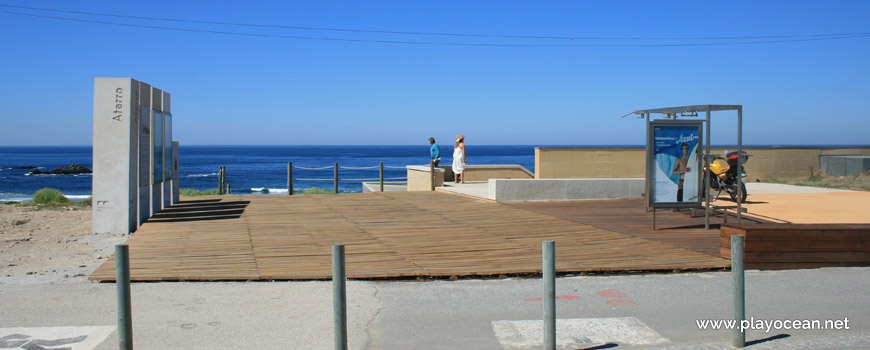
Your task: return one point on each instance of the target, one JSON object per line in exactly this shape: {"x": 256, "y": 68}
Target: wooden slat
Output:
{"x": 385, "y": 235}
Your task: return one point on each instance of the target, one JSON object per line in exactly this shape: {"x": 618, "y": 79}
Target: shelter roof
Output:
{"x": 689, "y": 109}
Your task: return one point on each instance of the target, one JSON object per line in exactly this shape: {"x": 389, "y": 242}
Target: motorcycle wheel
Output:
{"x": 733, "y": 193}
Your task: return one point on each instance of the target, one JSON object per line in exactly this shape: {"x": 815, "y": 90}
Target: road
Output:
{"x": 654, "y": 311}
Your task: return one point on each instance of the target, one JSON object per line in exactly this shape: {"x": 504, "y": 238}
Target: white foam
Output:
{"x": 269, "y": 190}
{"x": 79, "y": 197}
{"x": 201, "y": 175}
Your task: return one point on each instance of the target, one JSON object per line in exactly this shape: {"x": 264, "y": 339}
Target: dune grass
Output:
{"x": 192, "y": 192}
{"x": 854, "y": 183}
{"x": 49, "y": 197}
{"x": 315, "y": 190}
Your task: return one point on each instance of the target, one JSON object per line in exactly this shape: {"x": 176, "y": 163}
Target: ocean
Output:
{"x": 250, "y": 169}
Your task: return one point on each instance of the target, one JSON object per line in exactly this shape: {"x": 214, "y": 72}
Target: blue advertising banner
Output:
{"x": 676, "y": 175}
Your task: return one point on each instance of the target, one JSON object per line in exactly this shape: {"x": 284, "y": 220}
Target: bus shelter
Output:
{"x": 675, "y": 124}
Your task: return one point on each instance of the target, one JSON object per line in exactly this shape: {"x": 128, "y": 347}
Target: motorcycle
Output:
{"x": 724, "y": 175}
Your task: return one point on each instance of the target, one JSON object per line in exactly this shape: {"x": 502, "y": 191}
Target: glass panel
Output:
{"x": 167, "y": 146}
{"x": 144, "y": 146}
{"x": 157, "y": 131}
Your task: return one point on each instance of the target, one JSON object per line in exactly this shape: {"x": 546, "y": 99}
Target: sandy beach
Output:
{"x": 50, "y": 245}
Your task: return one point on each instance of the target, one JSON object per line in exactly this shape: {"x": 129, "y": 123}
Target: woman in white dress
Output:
{"x": 459, "y": 159}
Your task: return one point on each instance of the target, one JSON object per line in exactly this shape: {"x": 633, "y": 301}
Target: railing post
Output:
{"x": 290, "y": 178}
{"x": 549, "y": 278}
{"x": 737, "y": 281}
{"x": 432, "y": 174}
{"x": 339, "y": 297}
{"x": 336, "y": 178}
{"x": 382, "y": 177}
{"x": 220, "y": 180}
{"x": 122, "y": 280}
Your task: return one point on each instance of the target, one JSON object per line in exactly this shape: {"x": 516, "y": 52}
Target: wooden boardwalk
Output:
{"x": 393, "y": 234}
{"x": 628, "y": 216}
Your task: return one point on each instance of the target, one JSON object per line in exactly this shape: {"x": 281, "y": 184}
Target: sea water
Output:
{"x": 250, "y": 169}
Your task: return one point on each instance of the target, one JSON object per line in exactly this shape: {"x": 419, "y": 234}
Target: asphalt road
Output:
{"x": 622, "y": 312}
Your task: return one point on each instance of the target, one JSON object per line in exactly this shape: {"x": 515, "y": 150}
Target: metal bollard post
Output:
{"x": 737, "y": 281}
{"x": 549, "y": 278}
{"x": 290, "y": 178}
{"x": 336, "y": 178}
{"x": 339, "y": 297}
{"x": 382, "y": 177}
{"x": 432, "y": 174}
{"x": 125, "y": 320}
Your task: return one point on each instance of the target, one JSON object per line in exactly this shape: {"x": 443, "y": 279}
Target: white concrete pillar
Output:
{"x": 116, "y": 129}
{"x": 156, "y": 150}
{"x": 144, "y": 152}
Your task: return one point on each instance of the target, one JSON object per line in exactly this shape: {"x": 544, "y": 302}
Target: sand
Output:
{"x": 50, "y": 245}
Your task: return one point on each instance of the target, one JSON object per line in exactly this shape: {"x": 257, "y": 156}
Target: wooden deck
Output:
{"x": 627, "y": 216}
{"x": 393, "y": 234}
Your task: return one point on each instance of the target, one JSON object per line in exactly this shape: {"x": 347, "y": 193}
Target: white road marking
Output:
{"x": 74, "y": 338}
{"x": 577, "y": 332}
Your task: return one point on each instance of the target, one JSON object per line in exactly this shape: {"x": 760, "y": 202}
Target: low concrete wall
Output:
{"x": 564, "y": 189}
{"x": 485, "y": 172}
{"x": 420, "y": 178}
{"x": 629, "y": 162}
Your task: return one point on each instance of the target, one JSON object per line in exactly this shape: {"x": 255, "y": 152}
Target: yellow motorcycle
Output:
{"x": 724, "y": 175}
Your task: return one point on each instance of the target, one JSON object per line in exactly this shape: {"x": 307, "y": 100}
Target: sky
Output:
{"x": 499, "y": 72}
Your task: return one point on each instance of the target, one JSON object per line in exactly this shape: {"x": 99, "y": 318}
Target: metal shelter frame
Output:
{"x": 691, "y": 112}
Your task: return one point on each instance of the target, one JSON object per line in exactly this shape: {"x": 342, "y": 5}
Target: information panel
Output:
{"x": 676, "y": 173}
{"x": 158, "y": 147}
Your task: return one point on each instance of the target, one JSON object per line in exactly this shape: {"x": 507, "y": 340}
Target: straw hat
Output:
{"x": 459, "y": 137}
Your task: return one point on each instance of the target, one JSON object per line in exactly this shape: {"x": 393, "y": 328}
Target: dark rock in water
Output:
{"x": 24, "y": 167}
{"x": 71, "y": 169}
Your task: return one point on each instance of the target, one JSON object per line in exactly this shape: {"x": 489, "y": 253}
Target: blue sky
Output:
{"x": 235, "y": 89}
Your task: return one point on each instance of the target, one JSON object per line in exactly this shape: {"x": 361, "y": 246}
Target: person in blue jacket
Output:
{"x": 434, "y": 151}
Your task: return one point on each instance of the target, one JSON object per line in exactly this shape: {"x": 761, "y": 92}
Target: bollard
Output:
{"x": 382, "y": 177}
{"x": 336, "y": 178}
{"x": 125, "y": 320}
{"x": 549, "y": 278}
{"x": 737, "y": 281}
{"x": 339, "y": 297}
{"x": 290, "y": 178}
{"x": 432, "y": 174}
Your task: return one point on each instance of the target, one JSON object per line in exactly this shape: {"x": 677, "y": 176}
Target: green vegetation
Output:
{"x": 49, "y": 196}
{"x": 192, "y": 192}
{"x": 20, "y": 222}
{"x": 854, "y": 183}
{"x": 315, "y": 190}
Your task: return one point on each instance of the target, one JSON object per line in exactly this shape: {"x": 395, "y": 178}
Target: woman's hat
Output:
{"x": 459, "y": 137}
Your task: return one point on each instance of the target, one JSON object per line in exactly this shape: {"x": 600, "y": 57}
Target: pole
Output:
{"x": 432, "y": 175}
{"x": 290, "y": 178}
{"x": 229, "y": 188}
{"x": 737, "y": 281}
{"x": 382, "y": 177}
{"x": 739, "y": 164}
{"x": 549, "y": 268}
{"x": 707, "y": 161}
{"x": 125, "y": 320}
{"x": 220, "y": 180}
{"x": 336, "y": 178}
{"x": 339, "y": 297}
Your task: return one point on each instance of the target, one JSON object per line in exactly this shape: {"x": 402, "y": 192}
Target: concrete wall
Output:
{"x": 486, "y": 172}
{"x": 564, "y": 189}
{"x": 555, "y": 163}
{"x": 420, "y": 178}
